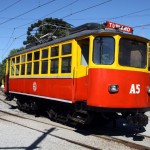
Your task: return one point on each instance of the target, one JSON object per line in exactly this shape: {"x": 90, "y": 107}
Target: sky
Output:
{"x": 17, "y": 15}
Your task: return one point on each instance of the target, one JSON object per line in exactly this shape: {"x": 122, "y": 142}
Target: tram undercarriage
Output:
{"x": 78, "y": 113}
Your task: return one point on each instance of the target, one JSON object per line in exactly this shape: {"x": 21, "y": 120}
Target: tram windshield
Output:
{"x": 132, "y": 53}
{"x": 104, "y": 48}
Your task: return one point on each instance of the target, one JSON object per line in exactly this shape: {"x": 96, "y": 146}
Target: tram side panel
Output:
{"x": 132, "y": 89}
{"x": 42, "y": 87}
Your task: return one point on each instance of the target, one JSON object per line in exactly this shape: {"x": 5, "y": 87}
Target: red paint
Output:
{"x": 81, "y": 87}
{"x": 100, "y": 79}
{"x": 92, "y": 88}
{"x": 55, "y": 88}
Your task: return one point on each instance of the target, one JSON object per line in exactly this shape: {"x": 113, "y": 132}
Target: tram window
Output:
{"x": 84, "y": 45}
{"x": 17, "y": 70}
{"x": 29, "y": 68}
{"x": 66, "y": 49}
{"x": 103, "y": 50}
{"x": 23, "y": 69}
{"x": 23, "y": 58}
{"x": 13, "y": 61}
{"x": 85, "y": 55}
{"x": 54, "y": 51}
{"x": 36, "y": 67}
{"x": 45, "y": 53}
{"x": 132, "y": 53}
{"x": 66, "y": 65}
{"x": 29, "y": 57}
{"x": 36, "y": 55}
{"x": 18, "y": 59}
{"x": 12, "y": 70}
{"x": 44, "y": 66}
{"x": 54, "y": 65}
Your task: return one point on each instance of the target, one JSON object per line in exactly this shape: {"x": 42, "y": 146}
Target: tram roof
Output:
{"x": 77, "y": 35}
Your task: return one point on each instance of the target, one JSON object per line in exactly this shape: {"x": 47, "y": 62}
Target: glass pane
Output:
{"x": 84, "y": 52}
{"x": 36, "y": 67}
{"x": 29, "y": 67}
{"x": 66, "y": 49}
{"x": 54, "y": 66}
{"x": 23, "y": 58}
{"x": 23, "y": 69}
{"x": 12, "y": 70}
{"x": 29, "y": 57}
{"x": 45, "y": 53}
{"x": 104, "y": 48}
{"x": 66, "y": 65}
{"x": 132, "y": 53}
{"x": 44, "y": 66}
{"x": 17, "y": 70}
{"x": 13, "y": 61}
{"x": 36, "y": 55}
{"x": 54, "y": 51}
{"x": 18, "y": 59}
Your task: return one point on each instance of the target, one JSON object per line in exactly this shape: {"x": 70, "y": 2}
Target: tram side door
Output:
{"x": 82, "y": 69}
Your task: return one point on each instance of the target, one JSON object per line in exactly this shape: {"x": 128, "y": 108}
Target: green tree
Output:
{"x": 46, "y": 30}
{"x": 2, "y": 70}
{"x": 14, "y": 51}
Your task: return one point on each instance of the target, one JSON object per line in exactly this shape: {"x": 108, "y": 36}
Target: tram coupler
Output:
{"x": 138, "y": 119}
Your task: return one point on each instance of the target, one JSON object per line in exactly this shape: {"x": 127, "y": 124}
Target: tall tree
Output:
{"x": 14, "y": 51}
{"x": 2, "y": 71}
{"x": 46, "y": 30}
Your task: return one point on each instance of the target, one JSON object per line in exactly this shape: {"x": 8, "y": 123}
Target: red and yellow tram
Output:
{"x": 97, "y": 70}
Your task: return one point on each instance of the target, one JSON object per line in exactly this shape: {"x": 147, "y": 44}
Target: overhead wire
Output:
{"x": 41, "y": 18}
{"x": 129, "y": 14}
{"x": 6, "y": 8}
{"x": 69, "y": 14}
{"x": 80, "y": 10}
{"x": 86, "y": 9}
{"x": 61, "y": 8}
{"x": 22, "y": 15}
{"x": 27, "y": 12}
{"x": 8, "y": 47}
{"x": 144, "y": 25}
{"x": 143, "y": 10}
{"x": 10, "y": 37}
{"x": 10, "y": 6}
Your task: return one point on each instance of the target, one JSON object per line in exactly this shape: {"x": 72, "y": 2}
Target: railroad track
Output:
{"x": 99, "y": 134}
{"x": 65, "y": 139}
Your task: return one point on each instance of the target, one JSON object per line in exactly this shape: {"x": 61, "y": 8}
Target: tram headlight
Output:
{"x": 148, "y": 89}
{"x": 113, "y": 88}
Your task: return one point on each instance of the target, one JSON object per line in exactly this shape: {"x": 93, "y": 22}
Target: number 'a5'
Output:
{"x": 135, "y": 89}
